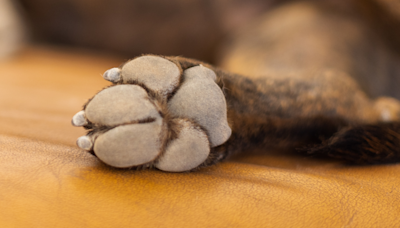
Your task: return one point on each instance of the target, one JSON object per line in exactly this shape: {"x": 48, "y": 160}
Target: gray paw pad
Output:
{"x": 157, "y": 73}
{"x": 189, "y": 150}
{"x": 120, "y": 104}
{"x": 130, "y": 145}
{"x": 199, "y": 98}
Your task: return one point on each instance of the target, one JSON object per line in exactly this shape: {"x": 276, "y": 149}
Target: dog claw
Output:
{"x": 79, "y": 119}
{"x": 112, "y": 75}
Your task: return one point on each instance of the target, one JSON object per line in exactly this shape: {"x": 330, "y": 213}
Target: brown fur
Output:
{"x": 280, "y": 112}
{"x": 313, "y": 69}
{"x": 378, "y": 143}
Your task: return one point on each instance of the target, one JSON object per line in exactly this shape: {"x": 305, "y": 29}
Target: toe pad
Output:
{"x": 120, "y": 104}
{"x": 188, "y": 151}
{"x": 130, "y": 145}
{"x": 199, "y": 98}
{"x": 158, "y": 74}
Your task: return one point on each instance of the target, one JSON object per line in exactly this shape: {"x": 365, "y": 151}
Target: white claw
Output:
{"x": 79, "y": 119}
{"x": 112, "y": 75}
{"x": 84, "y": 142}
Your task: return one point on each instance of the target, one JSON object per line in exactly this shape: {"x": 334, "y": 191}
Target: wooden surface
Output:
{"x": 46, "y": 181}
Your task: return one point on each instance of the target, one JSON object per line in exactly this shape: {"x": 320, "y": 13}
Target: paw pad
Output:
{"x": 120, "y": 104}
{"x": 189, "y": 150}
{"x": 130, "y": 145}
{"x": 158, "y": 74}
{"x": 131, "y": 128}
{"x": 199, "y": 98}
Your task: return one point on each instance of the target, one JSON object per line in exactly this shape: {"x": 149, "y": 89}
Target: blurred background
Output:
{"x": 191, "y": 28}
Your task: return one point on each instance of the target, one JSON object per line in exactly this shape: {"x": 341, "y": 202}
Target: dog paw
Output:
{"x": 155, "y": 115}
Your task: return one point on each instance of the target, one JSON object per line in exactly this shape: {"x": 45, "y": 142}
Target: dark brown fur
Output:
{"x": 379, "y": 143}
{"x": 313, "y": 71}
{"x": 277, "y": 112}
{"x": 258, "y": 116}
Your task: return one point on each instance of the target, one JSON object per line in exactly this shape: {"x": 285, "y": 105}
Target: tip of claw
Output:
{"x": 79, "y": 119}
{"x": 85, "y": 143}
{"x": 112, "y": 75}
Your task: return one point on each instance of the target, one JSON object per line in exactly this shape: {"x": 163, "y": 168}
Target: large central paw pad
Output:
{"x": 155, "y": 114}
